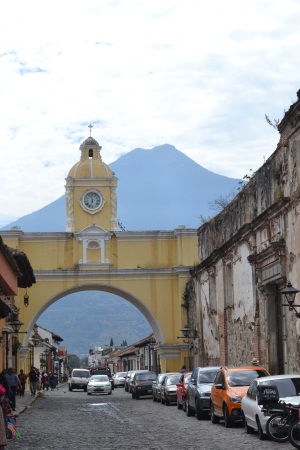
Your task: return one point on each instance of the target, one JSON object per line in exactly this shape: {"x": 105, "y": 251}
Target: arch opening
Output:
{"x": 98, "y": 288}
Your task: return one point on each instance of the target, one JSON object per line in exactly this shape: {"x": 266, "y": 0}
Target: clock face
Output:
{"x": 92, "y": 200}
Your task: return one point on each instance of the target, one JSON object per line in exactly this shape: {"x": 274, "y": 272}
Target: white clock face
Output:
{"x": 92, "y": 200}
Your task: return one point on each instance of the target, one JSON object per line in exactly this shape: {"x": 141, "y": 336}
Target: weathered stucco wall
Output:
{"x": 246, "y": 255}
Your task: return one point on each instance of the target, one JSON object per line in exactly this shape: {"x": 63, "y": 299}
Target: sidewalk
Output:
{"x": 22, "y": 403}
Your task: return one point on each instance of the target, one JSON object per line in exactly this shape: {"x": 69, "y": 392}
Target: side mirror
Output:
{"x": 219, "y": 386}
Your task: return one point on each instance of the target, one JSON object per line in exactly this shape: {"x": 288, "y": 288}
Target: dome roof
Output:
{"x": 89, "y": 142}
{"x": 90, "y": 164}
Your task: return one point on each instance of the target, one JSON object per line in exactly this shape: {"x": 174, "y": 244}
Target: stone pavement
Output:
{"x": 22, "y": 403}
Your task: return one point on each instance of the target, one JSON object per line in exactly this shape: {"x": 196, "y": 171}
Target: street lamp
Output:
{"x": 290, "y": 293}
{"x": 188, "y": 333}
{"x": 15, "y": 325}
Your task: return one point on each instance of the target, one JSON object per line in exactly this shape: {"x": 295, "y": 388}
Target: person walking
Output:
{"x": 183, "y": 369}
{"x": 33, "y": 380}
{"x": 22, "y": 378}
{"x": 13, "y": 382}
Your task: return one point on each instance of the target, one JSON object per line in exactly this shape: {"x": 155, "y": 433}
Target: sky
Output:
{"x": 195, "y": 74}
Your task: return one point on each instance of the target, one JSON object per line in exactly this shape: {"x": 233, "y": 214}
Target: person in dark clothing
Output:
{"x": 22, "y": 378}
{"x": 13, "y": 382}
{"x": 33, "y": 380}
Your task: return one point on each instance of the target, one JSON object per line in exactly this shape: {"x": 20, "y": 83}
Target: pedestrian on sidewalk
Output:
{"x": 22, "y": 378}
{"x": 14, "y": 383}
{"x": 33, "y": 380}
{"x": 52, "y": 381}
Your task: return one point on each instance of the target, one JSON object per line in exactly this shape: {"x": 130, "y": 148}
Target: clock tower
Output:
{"x": 91, "y": 197}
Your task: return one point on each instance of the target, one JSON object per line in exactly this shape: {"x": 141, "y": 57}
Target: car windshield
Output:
{"x": 244, "y": 377}
{"x": 187, "y": 379}
{"x": 99, "y": 378}
{"x": 207, "y": 377}
{"x": 121, "y": 375}
{"x": 288, "y": 387}
{"x": 81, "y": 373}
{"x": 173, "y": 379}
{"x": 146, "y": 377}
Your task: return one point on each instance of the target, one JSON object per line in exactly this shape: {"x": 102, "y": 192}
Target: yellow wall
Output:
{"x": 149, "y": 269}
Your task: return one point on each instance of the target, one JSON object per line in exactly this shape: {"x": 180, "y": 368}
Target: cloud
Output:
{"x": 200, "y": 76}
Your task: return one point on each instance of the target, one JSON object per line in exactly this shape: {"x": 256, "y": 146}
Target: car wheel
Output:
{"x": 109, "y": 393}
{"x": 167, "y": 402}
{"x": 70, "y": 389}
{"x": 132, "y": 395}
{"x": 227, "y": 420}
{"x": 189, "y": 411}
{"x": 184, "y": 406}
{"x": 154, "y": 398}
{"x": 199, "y": 411}
{"x": 213, "y": 417}
{"x": 85, "y": 389}
{"x": 162, "y": 400}
{"x": 137, "y": 396}
{"x": 89, "y": 393}
{"x": 179, "y": 405}
{"x": 249, "y": 430}
{"x": 261, "y": 434}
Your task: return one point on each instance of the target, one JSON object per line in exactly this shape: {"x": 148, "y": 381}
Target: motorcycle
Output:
{"x": 294, "y": 431}
{"x": 280, "y": 421}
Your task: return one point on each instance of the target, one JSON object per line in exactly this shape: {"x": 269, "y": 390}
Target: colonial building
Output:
{"x": 15, "y": 272}
{"x": 247, "y": 254}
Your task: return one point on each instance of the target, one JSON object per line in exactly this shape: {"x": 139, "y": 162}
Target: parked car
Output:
{"x": 99, "y": 384}
{"x": 168, "y": 389}
{"x": 229, "y": 387}
{"x": 198, "y": 391}
{"x": 289, "y": 391}
{"x": 142, "y": 384}
{"x": 119, "y": 379}
{"x": 129, "y": 377}
{"x": 181, "y": 389}
{"x": 156, "y": 386}
{"x": 79, "y": 379}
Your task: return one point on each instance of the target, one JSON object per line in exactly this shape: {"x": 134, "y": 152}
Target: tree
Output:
{"x": 221, "y": 202}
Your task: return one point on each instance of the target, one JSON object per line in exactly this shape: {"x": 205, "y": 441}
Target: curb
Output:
{"x": 26, "y": 406}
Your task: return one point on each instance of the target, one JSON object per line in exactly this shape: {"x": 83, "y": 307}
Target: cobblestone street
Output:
{"x": 64, "y": 420}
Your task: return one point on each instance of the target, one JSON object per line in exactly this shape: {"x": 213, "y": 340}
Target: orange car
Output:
{"x": 181, "y": 389}
{"x": 229, "y": 387}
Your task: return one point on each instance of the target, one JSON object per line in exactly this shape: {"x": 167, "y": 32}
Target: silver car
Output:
{"x": 99, "y": 384}
{"x": 289, "y": 391}
{"x": 119, "y": 379}
{"x": 169, "y": 388}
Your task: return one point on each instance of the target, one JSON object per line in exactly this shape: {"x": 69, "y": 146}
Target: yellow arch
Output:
{"x": 104, "y": 288}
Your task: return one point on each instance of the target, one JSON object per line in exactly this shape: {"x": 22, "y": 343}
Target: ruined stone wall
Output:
{"x": 253, "y": 244}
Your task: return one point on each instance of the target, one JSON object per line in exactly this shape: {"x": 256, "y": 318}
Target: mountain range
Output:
{"x": 158, "y": 189}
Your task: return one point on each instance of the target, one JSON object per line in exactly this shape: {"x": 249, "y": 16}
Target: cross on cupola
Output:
{"x": 90, "y": 126}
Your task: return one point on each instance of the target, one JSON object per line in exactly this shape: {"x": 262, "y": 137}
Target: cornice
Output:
{"x": 182, "y": 270}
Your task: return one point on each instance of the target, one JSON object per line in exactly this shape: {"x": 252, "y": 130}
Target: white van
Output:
{"x": 79, "y": 379}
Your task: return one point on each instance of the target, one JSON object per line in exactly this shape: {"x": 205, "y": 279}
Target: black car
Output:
{"x": 142, "y": 384}
{"x": 198, "y": 391}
